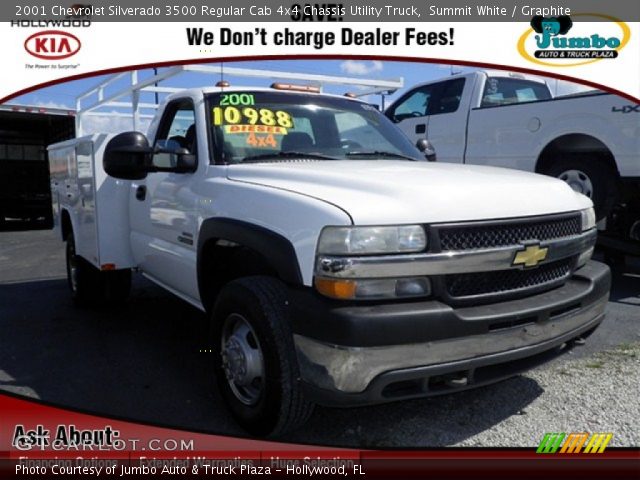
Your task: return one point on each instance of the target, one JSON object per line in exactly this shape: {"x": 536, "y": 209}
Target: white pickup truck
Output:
{"x": 335, "y": 271}
{"x": 590, "y": 140}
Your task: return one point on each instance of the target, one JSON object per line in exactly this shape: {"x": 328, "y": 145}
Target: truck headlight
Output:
{"x": 372, "y": 240}
{"x": 588, "y": 218}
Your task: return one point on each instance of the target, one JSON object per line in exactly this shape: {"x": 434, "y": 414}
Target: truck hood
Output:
{"x": 396, "y": 192}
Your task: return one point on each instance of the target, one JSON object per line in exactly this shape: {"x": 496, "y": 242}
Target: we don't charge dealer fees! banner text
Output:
{"x": 584, "y": 41}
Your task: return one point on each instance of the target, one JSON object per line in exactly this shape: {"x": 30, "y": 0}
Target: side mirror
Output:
{"x": 127, "y": 156}
{"x": 426, "y": 147}
{"x": 173, "y": 157}
{"x": 186, "y": 163}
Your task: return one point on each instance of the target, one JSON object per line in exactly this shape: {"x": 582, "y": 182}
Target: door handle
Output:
{"x": 141, "y": 193}
{"x": 422, "y": 128}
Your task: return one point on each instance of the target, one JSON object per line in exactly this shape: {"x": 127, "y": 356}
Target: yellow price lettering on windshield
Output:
{"x": 252, "y": 116}
{"x": 284, "y": 119}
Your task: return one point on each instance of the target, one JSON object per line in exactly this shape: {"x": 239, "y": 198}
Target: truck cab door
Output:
{"x": 411, "y": 112}
{"x": 435, "y": 112}
{"x": 509, "y": 126}
{"x": 163, "y": 207}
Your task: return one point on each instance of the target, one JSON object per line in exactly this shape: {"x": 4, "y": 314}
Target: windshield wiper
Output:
{"x": 287, "y": 154}
{"x": 380, "y": 153}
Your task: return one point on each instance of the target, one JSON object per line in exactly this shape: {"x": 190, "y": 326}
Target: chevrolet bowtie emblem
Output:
{"x": 531, "y": 256}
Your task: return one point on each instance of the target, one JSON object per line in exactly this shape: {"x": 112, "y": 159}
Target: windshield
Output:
{"x": 277, "y": 126}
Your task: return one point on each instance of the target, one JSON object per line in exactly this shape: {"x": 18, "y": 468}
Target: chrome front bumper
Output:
{"x": 517, "y": 329}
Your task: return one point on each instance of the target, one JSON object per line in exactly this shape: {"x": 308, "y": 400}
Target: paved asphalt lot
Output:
{"x": 141, "y": 362}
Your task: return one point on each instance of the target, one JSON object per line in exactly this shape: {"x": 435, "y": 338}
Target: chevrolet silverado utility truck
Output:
{"x": 337, "y": 265}
{"x": 591, "y": 140}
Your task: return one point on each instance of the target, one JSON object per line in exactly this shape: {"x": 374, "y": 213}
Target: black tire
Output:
{"x": 599, "y": 174}
{"x": 280, "y": 405}
{"x": 91, "y": 287}
{"x": 82, "y": 277}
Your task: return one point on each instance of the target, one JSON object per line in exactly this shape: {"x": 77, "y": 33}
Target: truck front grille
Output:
{"x": 509, "y": 283}
{"x": 471, "y": 237}
{"x": 461, "y": 286}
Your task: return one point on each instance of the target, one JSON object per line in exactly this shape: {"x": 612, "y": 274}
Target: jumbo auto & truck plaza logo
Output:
{"x": 561, "y": 42}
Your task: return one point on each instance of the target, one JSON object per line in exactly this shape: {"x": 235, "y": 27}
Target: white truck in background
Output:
{"x": 335, "y": 264}
{"x": 590, "y": 140}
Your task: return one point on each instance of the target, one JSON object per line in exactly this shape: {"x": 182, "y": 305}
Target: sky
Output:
{"x": 63, "y": 95}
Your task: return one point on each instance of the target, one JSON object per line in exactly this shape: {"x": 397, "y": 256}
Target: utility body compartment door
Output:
{"x": 437, "y": 112}
{"x": 73, "y": 189}
{"x": 84, "y": 192}
{"x": 96, "y": 203}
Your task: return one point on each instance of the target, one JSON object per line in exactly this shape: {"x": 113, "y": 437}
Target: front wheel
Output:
{"x": 255, "y": 361}
{"x": 592, "y": 178}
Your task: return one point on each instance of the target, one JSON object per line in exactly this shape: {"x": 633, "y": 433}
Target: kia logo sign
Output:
{"x": 52, "y": 45}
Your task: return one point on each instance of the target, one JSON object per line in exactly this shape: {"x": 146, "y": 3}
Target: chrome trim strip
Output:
{"x": 454, "y": 261}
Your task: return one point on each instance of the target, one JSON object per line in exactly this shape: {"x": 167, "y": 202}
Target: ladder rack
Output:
{"x": 109, "y": 94}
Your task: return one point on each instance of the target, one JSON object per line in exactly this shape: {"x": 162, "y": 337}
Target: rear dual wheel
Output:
{"x": 90, "y": 286}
